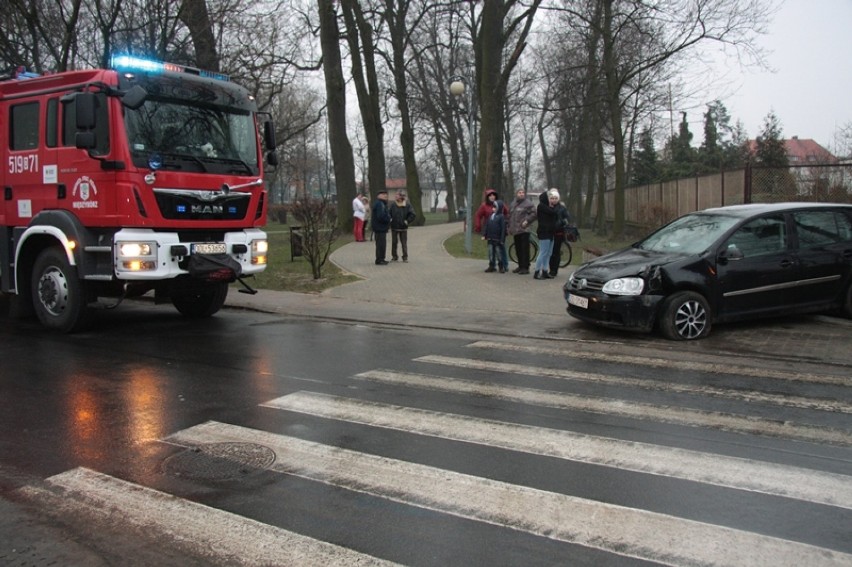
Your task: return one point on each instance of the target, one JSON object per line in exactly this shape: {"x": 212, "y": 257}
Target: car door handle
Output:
{"x": 786, "y": 263}
{"x": 847, "y": 254}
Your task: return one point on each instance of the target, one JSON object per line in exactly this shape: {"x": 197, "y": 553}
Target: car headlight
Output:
{"x": 624, "y": 286}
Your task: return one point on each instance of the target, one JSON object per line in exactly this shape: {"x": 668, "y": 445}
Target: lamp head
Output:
{"x": 457, "y": 88}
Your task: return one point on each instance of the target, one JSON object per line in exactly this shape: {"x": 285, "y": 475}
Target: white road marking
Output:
{"x": 718, "y": 470}
{"x": 198, "y": 529}
{"x": 622, "y": 408}
{"x": 615, "y": 529}
{"x": 820, "y": 404}
{"x": 711, "y": 367}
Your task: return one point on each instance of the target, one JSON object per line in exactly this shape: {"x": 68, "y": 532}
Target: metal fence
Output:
{"x": 649, "y": 206}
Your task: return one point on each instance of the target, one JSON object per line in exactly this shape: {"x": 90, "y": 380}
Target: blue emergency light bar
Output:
{"x": 131, "y": 63}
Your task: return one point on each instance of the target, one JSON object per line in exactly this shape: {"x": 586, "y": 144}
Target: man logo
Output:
{"x": 207, "y": 209}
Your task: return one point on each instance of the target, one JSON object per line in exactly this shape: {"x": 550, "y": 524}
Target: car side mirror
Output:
{"x": 731, "y": 253}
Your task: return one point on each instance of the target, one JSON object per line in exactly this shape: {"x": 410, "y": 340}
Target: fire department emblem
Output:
{"x": 84, "y": 191}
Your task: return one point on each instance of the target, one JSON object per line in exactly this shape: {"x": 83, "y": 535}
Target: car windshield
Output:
{"x": 192, "y": 136}
{"x": 690, "y": 234}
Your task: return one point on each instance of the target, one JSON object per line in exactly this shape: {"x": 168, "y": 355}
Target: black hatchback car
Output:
{"x": 722, "y": 264}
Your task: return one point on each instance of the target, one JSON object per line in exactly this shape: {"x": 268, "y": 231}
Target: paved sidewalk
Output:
{"x": 433, "y": 290}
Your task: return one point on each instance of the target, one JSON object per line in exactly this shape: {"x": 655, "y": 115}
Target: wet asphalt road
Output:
{"x": 197, "y": 410}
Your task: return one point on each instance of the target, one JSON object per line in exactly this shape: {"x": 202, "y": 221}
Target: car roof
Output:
{"x": 760, "y": 208}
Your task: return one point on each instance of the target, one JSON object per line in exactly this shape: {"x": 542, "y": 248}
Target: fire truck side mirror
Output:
{"x": 135, "y": 97}
{"x": 84, "y": 106}
{"x": 269, "y": 141}
{"x": 269, "y": 135}
{"x": 84, "y": 109}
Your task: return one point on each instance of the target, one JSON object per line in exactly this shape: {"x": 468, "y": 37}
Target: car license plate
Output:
{"x": 578, "y": 301}
{"x": 209, "y": 248}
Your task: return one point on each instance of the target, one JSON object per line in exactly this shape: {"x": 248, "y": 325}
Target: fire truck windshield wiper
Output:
{"x": 178, "y": 157}
{"x": 239, "y": 162}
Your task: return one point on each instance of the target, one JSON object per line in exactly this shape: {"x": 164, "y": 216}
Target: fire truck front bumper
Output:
{"x": 141, "y": 254}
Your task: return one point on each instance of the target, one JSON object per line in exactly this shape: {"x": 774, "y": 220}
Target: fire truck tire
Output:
{"x": 59, "y": 296}
{"x": 202, "y": 301}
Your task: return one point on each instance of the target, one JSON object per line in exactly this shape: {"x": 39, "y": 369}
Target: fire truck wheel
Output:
{"x": 59, "y": 296}
{"x": 201, "y": 301}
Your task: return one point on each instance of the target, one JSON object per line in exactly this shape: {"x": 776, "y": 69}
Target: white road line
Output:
{"x": 222, "y": 537}
{"x": 820, "y": 404}
{"x": 615, "y": 529}
{"x": 718, "y": 470}
{"x": 622, "y": 408}
{"x": 714, "y": 368}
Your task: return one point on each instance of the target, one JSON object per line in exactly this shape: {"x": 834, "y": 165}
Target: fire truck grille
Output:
{"x": 184, "y": 206}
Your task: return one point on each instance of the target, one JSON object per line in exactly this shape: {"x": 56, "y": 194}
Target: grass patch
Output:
{"x": 282, "y": 274}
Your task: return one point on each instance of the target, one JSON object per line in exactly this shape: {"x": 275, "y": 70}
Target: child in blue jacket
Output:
{"x": 494, "y": 231}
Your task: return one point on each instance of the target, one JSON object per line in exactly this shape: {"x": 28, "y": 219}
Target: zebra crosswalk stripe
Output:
{"x": 718, "y": 470}
{"x": 616, "y": 529}
{"x": 830, "y": 405}
{"x": 614, "y": 407}
{"x": 690, "y": 365}
{"x": 195, "y": 528}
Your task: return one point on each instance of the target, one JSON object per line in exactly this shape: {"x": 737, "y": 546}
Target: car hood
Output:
{"x": 627, "y": 262}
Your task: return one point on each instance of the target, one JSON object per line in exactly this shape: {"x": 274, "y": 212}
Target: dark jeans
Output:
{"x": 381, "y": 246}
{"x": 556, "y": 255}
{"x": 497, "y": 254}
{"x": 522, "y": 250}
{"x": 400, "y": 236}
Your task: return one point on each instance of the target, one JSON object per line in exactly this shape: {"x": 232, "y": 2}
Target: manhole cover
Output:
{"x": 220, "y": 461}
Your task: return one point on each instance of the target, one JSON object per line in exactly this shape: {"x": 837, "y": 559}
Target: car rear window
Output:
{"x": 819, "y": 228}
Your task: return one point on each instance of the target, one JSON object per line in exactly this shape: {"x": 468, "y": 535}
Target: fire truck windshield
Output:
{"x": 193, "y": 137}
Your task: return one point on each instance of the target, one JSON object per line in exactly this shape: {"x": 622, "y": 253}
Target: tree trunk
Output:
{"x": 396, "y": 26}
{"x": 488, "y": 91}
{"x": 613, "y": 87}
{"x": 194, "y": 14}
{"x": 359, "y": 35}
{"x": 335, "y": 89}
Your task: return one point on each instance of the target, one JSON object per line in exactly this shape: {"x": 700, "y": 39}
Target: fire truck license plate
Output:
{"x": 209, "y": 248}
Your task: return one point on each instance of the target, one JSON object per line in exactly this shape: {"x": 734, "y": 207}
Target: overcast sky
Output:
{"x": 811, "y": 90}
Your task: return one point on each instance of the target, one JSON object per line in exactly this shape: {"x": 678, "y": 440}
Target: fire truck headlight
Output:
{"x": 136, "y": 256}
{"x": 133, "y": 249}
{"x": 259, "y": 249}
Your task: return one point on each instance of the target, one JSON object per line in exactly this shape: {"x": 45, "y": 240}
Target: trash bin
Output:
{"x": 295, "y": 242}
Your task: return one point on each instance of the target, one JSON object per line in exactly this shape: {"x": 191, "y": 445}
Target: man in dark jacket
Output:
{"x": 380, "y": 222}
{"x": 402, "y": 214}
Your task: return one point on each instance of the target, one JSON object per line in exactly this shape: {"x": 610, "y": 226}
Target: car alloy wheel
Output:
{"x": 685, "y": 317}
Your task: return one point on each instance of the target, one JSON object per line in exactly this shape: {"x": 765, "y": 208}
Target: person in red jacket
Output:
{"x": 485, "y": 209}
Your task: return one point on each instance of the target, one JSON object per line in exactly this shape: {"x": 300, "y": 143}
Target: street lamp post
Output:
{"x": 458, "y": 87}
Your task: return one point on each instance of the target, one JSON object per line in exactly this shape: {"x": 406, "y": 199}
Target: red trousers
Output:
{"x": 358, "y": 229}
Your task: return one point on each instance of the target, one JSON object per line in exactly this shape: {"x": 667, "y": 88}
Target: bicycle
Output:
{"x": 567, "y": 251}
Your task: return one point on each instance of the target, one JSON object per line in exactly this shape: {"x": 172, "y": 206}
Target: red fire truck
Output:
{"x": 116, "y": 182}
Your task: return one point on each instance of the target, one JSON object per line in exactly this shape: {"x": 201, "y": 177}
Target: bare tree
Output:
{"x": 335, "y": 88}
{"x": 504, "y": 29}
{"x": 361, "y": 40}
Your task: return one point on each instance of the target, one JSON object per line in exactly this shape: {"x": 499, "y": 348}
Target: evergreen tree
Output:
{"x": 646, "y": 167}
{"x": 682, "y": 162}
{"x": 710, "y": 152}
{"x": 771, "y": 149}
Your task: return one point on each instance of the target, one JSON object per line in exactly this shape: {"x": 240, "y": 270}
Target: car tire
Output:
{"x": 685, "y": 316}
